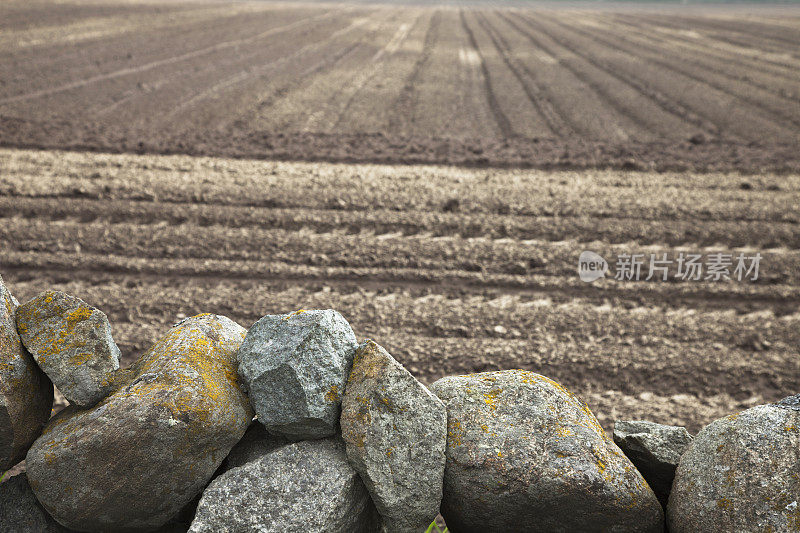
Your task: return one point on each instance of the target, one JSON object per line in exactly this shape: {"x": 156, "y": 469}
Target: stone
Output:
{"x": 305, "y": 486}
{"x": 134, "y": 460}
{"x": 295, "y": 367}
{"x": 741, "y": 473}
{"x": 71, "y": 341}
{"x": 26, "y": 394}
{"x": 20, "y": 512}
{"x": 654, "y": 449}
{"x": 255, "y": 443}
{"x": 395, "y": 432}
{"x": 526, "y": 455}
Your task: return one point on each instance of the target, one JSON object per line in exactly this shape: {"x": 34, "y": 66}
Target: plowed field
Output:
{"x": 453, "y": 270}
{"x": 545, "y": 87}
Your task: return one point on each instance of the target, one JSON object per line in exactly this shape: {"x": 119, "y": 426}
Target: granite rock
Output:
{"x": 526, "y": 455}
{"x": 654, "y": 449}
{"x": 741, "y": 473}
{"x": 134, "y": 460}
{"x": 295, "y": 367}
{"x": 26, "y": 394}
{"x": 20, "y": 512}
{"x": 71, "y": 341}
{"x": 396, "y": 434}
{"x": 302, "y": 487}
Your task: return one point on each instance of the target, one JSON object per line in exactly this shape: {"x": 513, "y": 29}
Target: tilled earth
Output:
{"x": 711, "y": 88}
{"x": 452, "y": 270}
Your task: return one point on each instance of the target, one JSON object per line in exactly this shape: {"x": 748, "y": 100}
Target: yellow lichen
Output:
{"x": 290, "y": 315}
{"x": 333, "y": 394}
{"x": 454, "y": 433}
{"x": 491, "y": 398}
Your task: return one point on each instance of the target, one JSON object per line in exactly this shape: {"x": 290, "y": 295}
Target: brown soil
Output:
{"x": 541, "y": 87}
{"x": 453, "y": 270}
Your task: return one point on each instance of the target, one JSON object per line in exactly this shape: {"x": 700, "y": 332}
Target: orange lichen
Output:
{"x": 333, "y": 394}
{"x": 454, "y": 432}
{"x": 491, "y": 398}
{"x": 290, "y": 315}
{"x": 77, "y": 315}
{"x": 80, "y": 358}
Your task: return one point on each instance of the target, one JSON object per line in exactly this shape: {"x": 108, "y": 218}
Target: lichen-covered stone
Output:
{"x": 654, "y": 449}
{"x": 71, "y": 341}
{"x": 26, "y": 394}
{"x": 741, "y": 473}
{"x": 295, "y": 367}
{"x": 135, "y": 459}
{"x": 303, "y": 487}
{"x": 526, "y": 455}
{"x": 20, "y": 512}
{"x": 395, "y": 430}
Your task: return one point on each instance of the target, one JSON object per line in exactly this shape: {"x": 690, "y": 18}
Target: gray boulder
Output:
{"x": 295, "y": 367}
{"x": 20, "y": 512}
{"x": 71, "y": 341}
{"x": 654, "y": 449}
{"x": 741, "y": 473}
{"x": 26, "y": 394}
{"x": 306, "y": 487}
{"x": 135, "y": 459}
{"x": 526, "y": 455}
{"x": 395, "y": 430}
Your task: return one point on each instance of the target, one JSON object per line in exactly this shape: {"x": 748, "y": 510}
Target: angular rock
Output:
{"x": 654, "y": 449}
{"x": 26, "y": 394}
{"x": 741, "y": 473}
{"x": 306, "y": 487}
{"x": 395, "y": 430}
{"x": 135, "y": 459}
{"x": 20, "y": 512}
{"x": 295, "y": 367}
{"x": 71, "y": 341}
{"x": 526, "y": 455}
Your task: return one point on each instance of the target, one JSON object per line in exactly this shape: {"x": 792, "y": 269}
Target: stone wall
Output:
{"x": 296, "y": 425}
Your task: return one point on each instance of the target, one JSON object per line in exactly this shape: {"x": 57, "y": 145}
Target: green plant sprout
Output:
{"x": 434, "y": 528}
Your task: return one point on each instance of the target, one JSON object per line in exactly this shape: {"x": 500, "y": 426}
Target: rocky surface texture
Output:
{"x": 347, "y": 440}
{"x": 396, "y": 432}
{"x": 741, "y": 473}
{"x": 654, "y": 449}
{"x": 71, "y": 341}
{"x": 26, "y": 394}
{"x": 140, "y": 455}
{"x": 301, "y": 487}
{"x": 295, "y": 367}
{"x": 255, "y": 443}
{"x": 20, "y": 512}
{"x": 524, "y": 454}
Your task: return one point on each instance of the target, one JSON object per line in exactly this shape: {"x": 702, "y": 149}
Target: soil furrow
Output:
{"x": 160, "y": 63}
{"x": 500, "y": 117}
{"x": 641, "y": 86}
{"x": 655, "y": 56}
{"x": 555, "y": 121}
{"x": 404, "y": 107}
